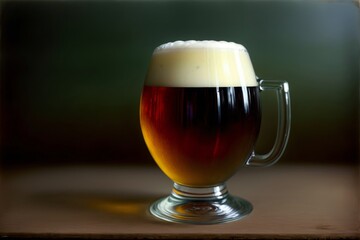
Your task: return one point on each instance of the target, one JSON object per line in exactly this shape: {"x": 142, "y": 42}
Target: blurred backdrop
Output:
{"x": 72, "y": 73}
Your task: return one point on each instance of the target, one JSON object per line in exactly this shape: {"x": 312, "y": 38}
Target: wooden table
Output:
{"x": 111, "y": 202}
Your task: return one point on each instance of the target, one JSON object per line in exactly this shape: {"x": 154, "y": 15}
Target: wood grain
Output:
{"x": 101, "y": 202}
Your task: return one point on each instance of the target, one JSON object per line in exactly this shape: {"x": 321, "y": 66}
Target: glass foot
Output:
{"x": 209, "y": 205}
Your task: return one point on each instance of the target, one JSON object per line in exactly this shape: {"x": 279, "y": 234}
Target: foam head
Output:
{"x": 201, "y": 64}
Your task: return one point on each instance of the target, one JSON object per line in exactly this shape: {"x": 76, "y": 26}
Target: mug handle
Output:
{"x": 283, "y": 127}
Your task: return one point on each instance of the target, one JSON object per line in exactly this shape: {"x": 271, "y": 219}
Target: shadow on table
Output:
{"x": 128, "y": 206}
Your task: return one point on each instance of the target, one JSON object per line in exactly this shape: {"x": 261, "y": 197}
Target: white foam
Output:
{"x": 201, "y": 64}
{"x": 199, "y": 44}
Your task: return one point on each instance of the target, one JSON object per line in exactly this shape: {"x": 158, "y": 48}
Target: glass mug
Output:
{"x": 200, "y": 117}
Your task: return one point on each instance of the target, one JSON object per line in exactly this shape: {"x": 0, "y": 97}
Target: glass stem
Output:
{"x": 199, "y": 193}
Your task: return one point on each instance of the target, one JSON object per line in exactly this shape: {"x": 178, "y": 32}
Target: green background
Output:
{"x": 72, "y": 73}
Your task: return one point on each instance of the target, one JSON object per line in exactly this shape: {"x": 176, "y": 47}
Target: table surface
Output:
{"x": 109, "y": 202}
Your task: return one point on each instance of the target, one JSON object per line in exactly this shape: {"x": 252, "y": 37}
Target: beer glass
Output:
{"x": 200, "y": 117}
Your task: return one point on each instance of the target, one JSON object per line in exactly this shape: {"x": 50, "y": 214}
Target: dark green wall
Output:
{"x": 72, "y": 72}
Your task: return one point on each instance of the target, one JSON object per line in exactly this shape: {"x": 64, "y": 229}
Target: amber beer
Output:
{"x": 200, "y": 119}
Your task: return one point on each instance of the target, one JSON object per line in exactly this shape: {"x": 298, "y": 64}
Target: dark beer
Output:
{"x": 199, "y": 110}
{"x": 199, "y": 136}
